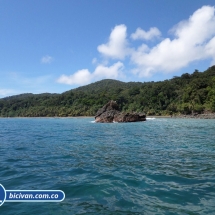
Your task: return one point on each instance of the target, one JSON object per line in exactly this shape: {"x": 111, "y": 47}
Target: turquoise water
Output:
{"x": 161, "y": 166}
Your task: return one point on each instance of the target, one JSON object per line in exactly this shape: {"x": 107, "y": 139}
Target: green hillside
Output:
{"x": 107, "y": 85}
{"x": 190, "y": 93}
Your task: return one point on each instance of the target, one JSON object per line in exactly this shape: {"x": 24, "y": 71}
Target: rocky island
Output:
{"x": 110, "y": 113}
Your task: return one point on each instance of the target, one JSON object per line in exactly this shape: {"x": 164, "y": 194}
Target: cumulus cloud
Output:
{"x": 194, "y": 40}
{"x": 116, "y": 47}
{"x": 46, "y": 59}
{"x": 112, "y": 72}
{"x": 210, "y": 49}
{"x": 84, "y": 76}
{"x": 146, "y": 35}
{"x": 81, "y": 77}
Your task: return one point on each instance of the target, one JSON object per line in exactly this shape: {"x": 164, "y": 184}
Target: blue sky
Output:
{"x": 54, "y": 46}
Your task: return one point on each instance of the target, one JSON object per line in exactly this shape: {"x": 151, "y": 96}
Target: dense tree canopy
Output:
{"x": 190, "y": 93}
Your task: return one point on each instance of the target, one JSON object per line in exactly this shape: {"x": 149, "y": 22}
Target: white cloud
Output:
{"x": 94, "y": 61}
{"x": 35, "y": 81}
{"x": 193, "y": 41}
{"x": 116, "y": 47}
{"x": 112, "y": 72}
{"x": 6, "y": 92}
{"x": 46, "y": 59}
{"x": 146, "y": 35}
{"x": 83, "y": 77}
{"x": 210, "y": 50}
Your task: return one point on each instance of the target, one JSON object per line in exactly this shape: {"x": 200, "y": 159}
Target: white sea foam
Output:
{"x": 93, "y": 121}
{"x": 147, "y": 118}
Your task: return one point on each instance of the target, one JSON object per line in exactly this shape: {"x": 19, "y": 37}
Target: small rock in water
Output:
{"x": 110, "y": 113}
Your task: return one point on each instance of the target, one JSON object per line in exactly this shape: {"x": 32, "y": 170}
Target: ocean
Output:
{"x": 160, "y": 166}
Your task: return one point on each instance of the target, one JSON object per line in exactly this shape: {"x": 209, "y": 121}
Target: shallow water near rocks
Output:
{"x": 161, "y": 166}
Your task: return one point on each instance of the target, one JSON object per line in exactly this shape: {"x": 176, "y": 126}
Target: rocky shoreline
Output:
{"x": 196, "y": 116}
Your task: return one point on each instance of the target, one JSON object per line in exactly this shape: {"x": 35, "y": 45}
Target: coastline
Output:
{"x": 158, "y": 116}
{"x": 37, "y": 117}
{"x": 187, "y": 116}
{"x": 180, "y": 116}
{"x": 196, "y": 116}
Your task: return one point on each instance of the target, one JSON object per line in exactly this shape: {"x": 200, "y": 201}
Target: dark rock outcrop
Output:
{"x": 110, "y": 113}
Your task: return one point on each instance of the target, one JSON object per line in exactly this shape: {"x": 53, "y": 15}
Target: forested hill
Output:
{"x": 107, "y": 85}
{"x": 190, "y": 93}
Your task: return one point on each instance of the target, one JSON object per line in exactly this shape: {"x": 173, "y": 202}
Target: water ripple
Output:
{"x": 161, "y": 166}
